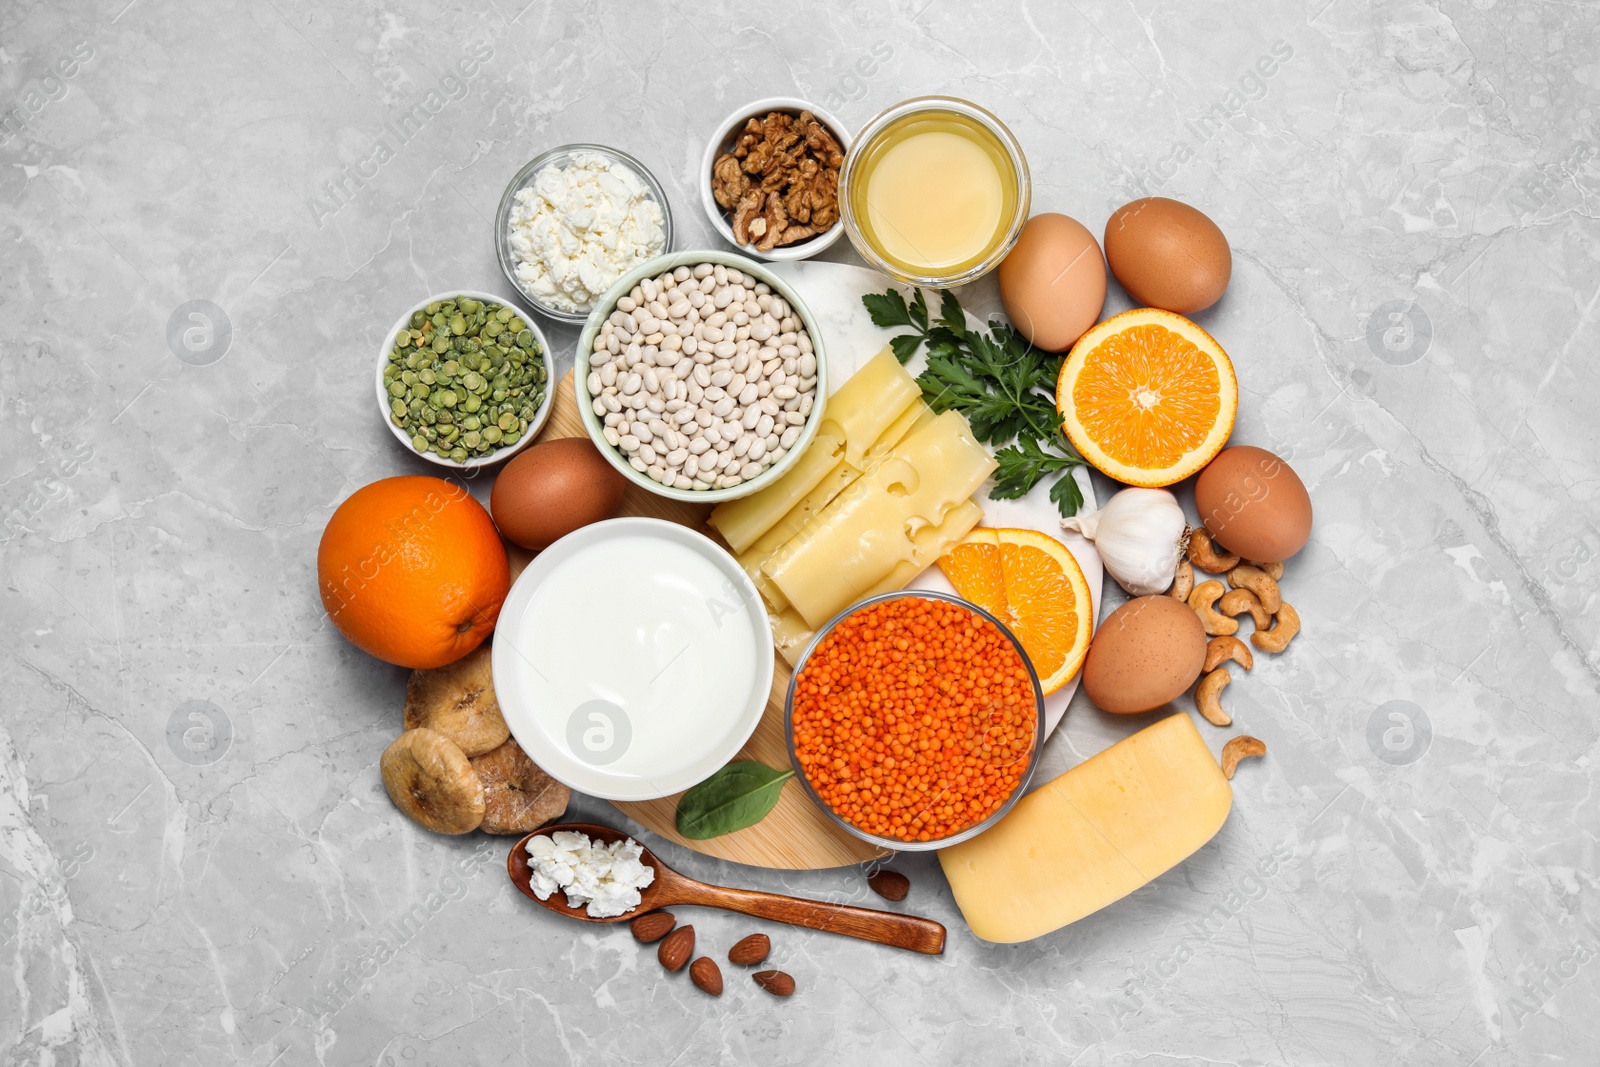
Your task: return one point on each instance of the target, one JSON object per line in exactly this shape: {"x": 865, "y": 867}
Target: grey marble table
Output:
{"x": 198, "y": 864}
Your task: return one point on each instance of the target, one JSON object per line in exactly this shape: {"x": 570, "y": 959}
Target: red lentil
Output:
{"x": 914, "y": 719}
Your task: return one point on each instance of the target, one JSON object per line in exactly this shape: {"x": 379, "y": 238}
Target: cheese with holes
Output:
{"x": 742, "y": 522}
{"x": 928, "y": 544}
{"x": 870, "y": 528}
{"x": 868, "y": 404}
{"x": 1092, "y": 836}
{"x": 790, "y": 631}
{"x": 862, "y": 420}
{"x": 821, "y": 494}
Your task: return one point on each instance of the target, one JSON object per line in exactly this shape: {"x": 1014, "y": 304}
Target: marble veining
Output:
{"x": 213, "y": 211}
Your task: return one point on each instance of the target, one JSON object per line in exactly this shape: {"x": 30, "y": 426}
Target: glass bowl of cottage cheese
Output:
{"x": 573, "y": 221}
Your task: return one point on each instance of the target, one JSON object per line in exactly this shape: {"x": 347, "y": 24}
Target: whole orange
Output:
{"x": 412, "y": 571}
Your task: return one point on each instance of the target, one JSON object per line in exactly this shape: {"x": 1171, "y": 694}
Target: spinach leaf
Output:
{"x": 739, "y": 795}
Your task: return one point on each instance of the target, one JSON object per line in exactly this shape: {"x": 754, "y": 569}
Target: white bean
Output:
{"x": 703, "y": 377}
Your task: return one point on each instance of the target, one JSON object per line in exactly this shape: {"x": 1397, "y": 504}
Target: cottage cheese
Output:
{"x": 605, "y": 877}
{"x": 579, "y": 227}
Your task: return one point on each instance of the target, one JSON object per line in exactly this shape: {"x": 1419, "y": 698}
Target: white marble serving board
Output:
{"x": 833, "y": 292}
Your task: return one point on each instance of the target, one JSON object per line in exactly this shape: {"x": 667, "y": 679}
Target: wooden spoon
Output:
{"x": 671, "y": 888}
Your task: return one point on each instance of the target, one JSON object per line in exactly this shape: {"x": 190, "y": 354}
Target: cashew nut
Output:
{"x": 1221, "y": 649}
{"x": 1203, "y": 554}
{"x": 1201, "y": 598}
{"x": 1258, "y": 582}
{"x": 1236, "y": 602}
{"x": 1285, "y": 625}
{"x": 1208, "y": 697}
{"x": 1182, "y": 581}
{"x": 1274, "y": 570}
{"x": 1237, "y": 749}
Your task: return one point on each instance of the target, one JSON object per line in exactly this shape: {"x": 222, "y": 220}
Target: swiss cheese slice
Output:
{"x": 868, "y": 404}
{"x": 790, "y": 631}
{"x": 869, "y": 529}
{"x": 742, "y": 522}
{"x": 928, "y": 544}
{"x": 1092, "y": 836}
{"x": 864, "y": 418}
{"x": 790, "y": 634}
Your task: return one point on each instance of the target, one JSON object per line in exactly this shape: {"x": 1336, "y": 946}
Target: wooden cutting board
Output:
{"x": 795, "y": 835}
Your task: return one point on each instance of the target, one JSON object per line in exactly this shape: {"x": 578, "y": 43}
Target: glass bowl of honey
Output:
{"x": 935, "y": 191}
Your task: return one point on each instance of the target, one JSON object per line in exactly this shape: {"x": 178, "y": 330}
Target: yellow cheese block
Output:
{"x": 1092, "y": 836}
{"x": 858, "y": 539}
{"x": 868, "y": 404}
{"x": 742, "y": 522}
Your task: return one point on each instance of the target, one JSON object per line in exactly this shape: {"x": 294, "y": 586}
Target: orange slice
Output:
{"x": 1030, "y": 582}
{"x": 1147, "y": 397}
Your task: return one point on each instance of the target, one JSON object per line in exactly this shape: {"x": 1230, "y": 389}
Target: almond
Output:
{"x": 707, "y": 975}
{"x": 653, "y": 927}
{"x": 775, "y": 982}
{"x": 677, "y": 948}
{"x": 750, "y": 950}
{"x": 890, "y": 885}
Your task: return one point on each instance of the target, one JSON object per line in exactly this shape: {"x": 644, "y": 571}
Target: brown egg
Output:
{"x": 1168, "y": 255}
{"x": 553, "y": 488}
{"x": 1053, "y": 282}
{"x": 1147, "y": 652}
{"x": 1253, "y": 505}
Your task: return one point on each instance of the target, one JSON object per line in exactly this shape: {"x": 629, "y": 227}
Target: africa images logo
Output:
{"x": 397, "y": 133}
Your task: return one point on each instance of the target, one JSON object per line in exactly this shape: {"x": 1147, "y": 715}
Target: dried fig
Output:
{"x": 458, "y": 701}
{"x": 518, "y": 796}
{"x": 432, "y": 782}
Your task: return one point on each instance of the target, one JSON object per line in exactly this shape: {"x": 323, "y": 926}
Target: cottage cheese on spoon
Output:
{"x": 579, "y": 227}
{"x": 605, "y": 877}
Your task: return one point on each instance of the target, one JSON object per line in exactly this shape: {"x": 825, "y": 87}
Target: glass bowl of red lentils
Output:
{"x": 914, "y": 720}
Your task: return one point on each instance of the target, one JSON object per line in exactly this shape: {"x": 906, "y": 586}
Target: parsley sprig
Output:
{"x": 1003, "y": 385}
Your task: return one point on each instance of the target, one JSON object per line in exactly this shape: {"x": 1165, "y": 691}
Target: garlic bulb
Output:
{"x": 1140, "y": 537}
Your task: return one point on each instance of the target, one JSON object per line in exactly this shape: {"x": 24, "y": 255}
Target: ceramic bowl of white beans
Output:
{"x": 700, "y": 376}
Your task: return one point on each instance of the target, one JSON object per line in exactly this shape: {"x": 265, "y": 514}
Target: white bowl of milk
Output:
{"x": 632, "y": 659}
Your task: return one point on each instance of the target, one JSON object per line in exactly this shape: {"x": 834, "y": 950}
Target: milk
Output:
{"x": 637, "y": 655}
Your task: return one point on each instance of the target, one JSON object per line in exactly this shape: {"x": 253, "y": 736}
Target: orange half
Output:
{"x": 1147, "y": 397}
{"x": 1030, "y": 582}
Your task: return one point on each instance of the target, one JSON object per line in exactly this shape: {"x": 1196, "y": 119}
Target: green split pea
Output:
{"x": 465, "y": 378}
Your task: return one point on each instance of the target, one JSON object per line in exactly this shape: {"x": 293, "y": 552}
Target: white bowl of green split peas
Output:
{"x": 465, "y": 379}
